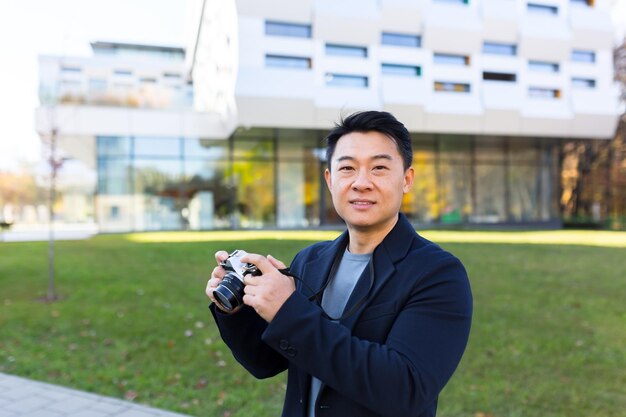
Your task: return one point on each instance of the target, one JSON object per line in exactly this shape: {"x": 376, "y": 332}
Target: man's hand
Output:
{"x": 267, "y": 293}
{"x": 216, "y": 277}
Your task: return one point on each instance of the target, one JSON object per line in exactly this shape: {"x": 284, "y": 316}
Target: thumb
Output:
{"x": 276, "y": 263}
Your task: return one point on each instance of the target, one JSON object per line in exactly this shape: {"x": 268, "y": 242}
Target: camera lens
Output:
{"x": 229, "y": 294}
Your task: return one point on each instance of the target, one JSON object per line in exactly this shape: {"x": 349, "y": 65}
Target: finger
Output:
{"x": 213, "y": 282}
{"x": 249, "y": 290}
{"x": 218, "y": 272}
{"x": 249, "y": 301}
{"x": 250, "y": 280}
{"x": 221, "y": 256}
{"x": 276, "y": 263}
{"x": 211, "y": 286}
{"x": 259, "y": 261}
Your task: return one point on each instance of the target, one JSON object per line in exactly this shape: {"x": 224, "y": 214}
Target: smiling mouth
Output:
{"x": 362, "y": 203}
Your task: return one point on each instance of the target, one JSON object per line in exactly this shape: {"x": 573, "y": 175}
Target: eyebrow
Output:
{"x": 373, "y": 158}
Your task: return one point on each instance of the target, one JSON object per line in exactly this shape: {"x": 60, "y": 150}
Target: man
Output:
{"x": 395, "y": 309}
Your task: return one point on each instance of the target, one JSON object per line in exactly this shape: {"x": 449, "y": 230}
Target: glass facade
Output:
{"x": 264, "y": 178}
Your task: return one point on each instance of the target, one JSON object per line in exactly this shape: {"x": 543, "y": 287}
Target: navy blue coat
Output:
{"x": 392, "y": 357}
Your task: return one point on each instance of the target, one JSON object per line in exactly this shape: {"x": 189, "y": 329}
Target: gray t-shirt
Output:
{"x": 335, "y": 299}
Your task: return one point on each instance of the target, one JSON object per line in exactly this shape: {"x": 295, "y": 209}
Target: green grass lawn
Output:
{"x": 548, "y": 337}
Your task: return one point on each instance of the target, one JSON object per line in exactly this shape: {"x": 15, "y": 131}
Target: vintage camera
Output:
{"x": 229, "y": 294}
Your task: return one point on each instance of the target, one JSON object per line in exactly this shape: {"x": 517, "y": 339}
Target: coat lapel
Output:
{"x": 392, "y": 249}
{"x": 315, "y": 272}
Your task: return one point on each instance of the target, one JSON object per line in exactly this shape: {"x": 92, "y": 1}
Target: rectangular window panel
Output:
{"x": 583, "y": 56}
{"x": 400, "y": 39}
{"x": 452, "y": 87}
{"x": 97, "y": 85}
{"x": 346, "y": 50}
{"x": 542, "y": 9}
{"x": 524, "y": 183}
{"x": 454, "y": 192}
{"x": 295, "y": 30}
{"x": 542, "y": 66}
{"x": 122, "y": 72}
{"x": 496, "y": 48}
{"x": 113, "y": 146}
{"x": 455, "y": 147}
{"x": 490, "y": 194}
{"x": 114, "y": 176}
{"x": 539, "y": 92}
{"x": 489, "y": 149}
{"x": 158, "y": 147}
{"x": 453, "y": 1}
{"x": 451, "y": 59}
{"x": 421, "y": 203}
{"x": 70, "y": 69}
{"x": 402, "y": 70}
{"x": 499, "y": 76}
{"x": 205, "y": 149}
{"x": 282, "y": 61}
{"x": 344, "y": 80}
{"x": 160, "y": 184}
{"x": 208, "y": 197}
{"x": 583, "y": 83}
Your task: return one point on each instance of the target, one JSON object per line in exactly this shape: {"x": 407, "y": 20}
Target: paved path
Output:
{"x": 21, "y": 397}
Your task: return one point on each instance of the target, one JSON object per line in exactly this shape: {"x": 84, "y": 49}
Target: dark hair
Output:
{"x": 372, "y": 121}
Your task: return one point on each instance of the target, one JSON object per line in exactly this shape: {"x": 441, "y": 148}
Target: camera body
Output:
{"x": 229, "y": 293}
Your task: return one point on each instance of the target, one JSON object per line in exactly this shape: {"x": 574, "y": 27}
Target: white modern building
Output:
{"x": 489, "y": 90}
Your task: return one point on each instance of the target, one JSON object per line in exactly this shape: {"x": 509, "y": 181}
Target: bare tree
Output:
{"x": 55, "y": 163}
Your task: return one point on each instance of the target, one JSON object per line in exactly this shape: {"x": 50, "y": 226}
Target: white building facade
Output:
{"x": 488, "y": 89}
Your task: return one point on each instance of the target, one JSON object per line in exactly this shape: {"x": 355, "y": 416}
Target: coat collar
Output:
{"x": 387, "y": 254}
{"x": 392, "y": 249}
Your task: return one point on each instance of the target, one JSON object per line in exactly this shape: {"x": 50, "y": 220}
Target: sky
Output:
{"x": 29, "y": 28}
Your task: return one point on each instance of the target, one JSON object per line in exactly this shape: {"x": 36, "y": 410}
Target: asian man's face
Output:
{"x": 367, "y": 180}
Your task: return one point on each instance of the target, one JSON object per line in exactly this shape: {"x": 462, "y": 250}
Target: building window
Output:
{"x": 543, "y": 66}
{"x": 148, "y": 80}
{"x": 451, "y": 59}
{"x": 400, "y": 39}
{"x": 295, "y": 30}
{"x": 346, "y": 50}
{"x": 542, "y": 9}
{"x": 452, "y": 87}
{"x": 496, "y": 48}
{"x": 345, "y": 80}
{"x": 541, "y": 92}
{"x": 157, "y": 147}
{"x": 69, "y": 69}
{"x": 283, "y": 61}
{"x": 122, "y": 72}
{"x": 172, "y": 75}
{"x": 114, "y": 213}
{"x": 499, "y": 76}
{"x": 583, "y": 82}
{"x": 583, "y": 56}
{"x": 400, "y": 69}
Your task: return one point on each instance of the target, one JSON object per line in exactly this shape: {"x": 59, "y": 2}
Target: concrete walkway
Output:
{"x": 21, "y": 397}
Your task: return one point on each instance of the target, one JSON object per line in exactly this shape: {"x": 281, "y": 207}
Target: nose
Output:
{"x": 362, "y": 181}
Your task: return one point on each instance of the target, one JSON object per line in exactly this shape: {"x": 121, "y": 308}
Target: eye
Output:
{"x": 345, "y": 168}
{"x": 380, "y": 167}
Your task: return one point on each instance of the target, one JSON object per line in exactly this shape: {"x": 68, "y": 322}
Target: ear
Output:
{"x": 409, "y": 176}
{"x": 328, "y": 179}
